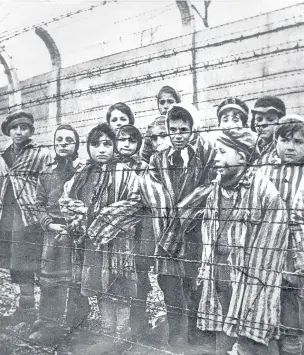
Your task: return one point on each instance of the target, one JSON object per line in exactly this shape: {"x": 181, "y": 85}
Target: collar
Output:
{"x": 184, "y": 154}
{"x": 242, "y": 186}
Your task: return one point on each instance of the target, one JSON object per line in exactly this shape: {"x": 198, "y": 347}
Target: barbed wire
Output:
{"x": 123, "y": 64}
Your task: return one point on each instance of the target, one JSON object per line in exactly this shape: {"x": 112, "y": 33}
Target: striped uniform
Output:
{"x": 23, "y": 175}
{"x": 162, "y": 197}
{"x": 109, "y": 264}
{"x": 258, "y": 239}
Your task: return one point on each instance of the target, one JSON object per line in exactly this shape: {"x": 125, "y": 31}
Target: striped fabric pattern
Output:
{"x": 297, "y": 219}
{"x": 159, "y": 195}
{"x": 258, "y": 239}
{"x": 24, "y": 178}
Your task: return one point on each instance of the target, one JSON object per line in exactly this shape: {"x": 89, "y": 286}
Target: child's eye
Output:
{"x": 298, "y": 141}
{"x": 154, "y": 138}
{"x": 94, "y": 144}
{"x": 172, "y": 129}
{"x": 114, "y": 119}
{"x": 162, "y": 102}
{"x": 184, "y": 129}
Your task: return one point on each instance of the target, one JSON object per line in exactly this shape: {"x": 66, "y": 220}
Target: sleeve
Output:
{"x": 120, "y": 216}
{"x": 146, "y": 150}
{"x": 45, "y": 159}
{"x": 297, "y": 227}
{"x": 205, "y": 151}
{"x": 41, "y": 203}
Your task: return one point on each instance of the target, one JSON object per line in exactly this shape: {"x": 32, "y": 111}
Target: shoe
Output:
{"x": 38, "y": 324}
{"x": 47, "y": 336}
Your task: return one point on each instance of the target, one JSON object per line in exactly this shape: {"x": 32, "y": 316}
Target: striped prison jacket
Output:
{"x": 162, "y": 197}
{"x": 23, "y": 175}
{"x": 257, "y": 237}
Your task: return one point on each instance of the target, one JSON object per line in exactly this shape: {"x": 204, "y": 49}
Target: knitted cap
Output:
{"x": 16, "y": 118}
{"x": 233, "y": 102}
{"x": 242, "y": 140}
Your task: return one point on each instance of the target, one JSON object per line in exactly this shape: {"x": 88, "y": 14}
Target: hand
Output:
{"x": 59, "y": 228}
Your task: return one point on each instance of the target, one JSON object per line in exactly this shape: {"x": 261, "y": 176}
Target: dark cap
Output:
{"x": 18, "y": 117}
{"x": 269, "y": 104}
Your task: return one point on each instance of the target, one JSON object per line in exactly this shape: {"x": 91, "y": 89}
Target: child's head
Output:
{"x": 19, "y": 126}
{"x": 265, "y": 116}
{"x": 167, "y": 97}
{"x": 157, "y": 132}
{"x": 179, "y": 126}
{"x": 100, "y": 145}
{"x": 289, "y": 137}
{"x": 232, "y": 113}
{"x": 128, "y": 140}
{"x": 66, "y": 142}
{"x": 235, "y": 149}
{"x": 118, "y": 115}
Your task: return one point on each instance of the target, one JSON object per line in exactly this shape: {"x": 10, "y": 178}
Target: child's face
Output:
{"x": 20, "y": 133}
{"x": 102, "y": 151}
{"x": 126, "y": 145}
{"x": 158, "y": 136}
{"x": 180, "y": 133}
{"x": 165, "y": 102}
{"x": 228, "y": 161}
{"x": 291, "y": 148}
{"x": 65, "y": 141}
{"x": 231, "y": 118}
{"x": 118, "y": 119}
{"x": 266, "y": 124}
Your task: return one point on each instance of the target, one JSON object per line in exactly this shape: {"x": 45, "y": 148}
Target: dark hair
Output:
{"x": 287, "y": 129}
{"x": 133, "y": 132}
{"x": 69, "y": 128}
{"x": 122, "y": 107}
{"x": 169, "y": 90}
{"x": 97, "y": 132}
{"x": 179, "y": 113}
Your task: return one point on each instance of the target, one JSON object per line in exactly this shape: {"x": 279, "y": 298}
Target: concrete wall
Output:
{"x": 249, "y": 58}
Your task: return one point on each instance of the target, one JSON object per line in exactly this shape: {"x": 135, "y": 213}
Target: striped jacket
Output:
{"x": 159, "y": 194}
{"x": 23, "y": 174}
{"x": 287, "y": 178}
{"x": 297, "y": 220}
{"x": 258, "y": 240}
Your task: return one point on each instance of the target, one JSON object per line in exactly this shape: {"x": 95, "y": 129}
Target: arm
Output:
{"x": 120, "y": 216}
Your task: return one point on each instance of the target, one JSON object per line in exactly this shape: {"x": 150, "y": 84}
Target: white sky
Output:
{"x": 107, "y": 29}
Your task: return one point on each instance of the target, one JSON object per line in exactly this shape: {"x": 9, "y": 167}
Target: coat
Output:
{"x": 258, "y": 239}
{"x": 109, "y": 262}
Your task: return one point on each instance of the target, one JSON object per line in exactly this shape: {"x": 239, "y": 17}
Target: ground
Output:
{"x": 89, "y": 341}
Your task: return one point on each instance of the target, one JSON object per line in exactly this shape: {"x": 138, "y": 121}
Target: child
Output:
{"x": 166, "y": 98}
{"x": 244, "y": 234}
{"x": 173, "y": 174}
{"x": 118, "y": 115}
{"x": 156, "y": 138}
{"x": 232, "y": 113}
{"x": 129, "y": 141}
{"x": 128, "y": 144}
{"x": 265, "y": 116}
{"x": 286, "y": 171}
{"x": 56, "y": 270}
{"x": 25, "y": 161}
{"x": 107, "y": 189}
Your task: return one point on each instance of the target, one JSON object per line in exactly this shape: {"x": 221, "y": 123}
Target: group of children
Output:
{"x": 221, "y": 223}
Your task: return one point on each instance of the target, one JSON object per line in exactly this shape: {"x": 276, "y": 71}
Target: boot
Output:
{"x": 49, "y": 334}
